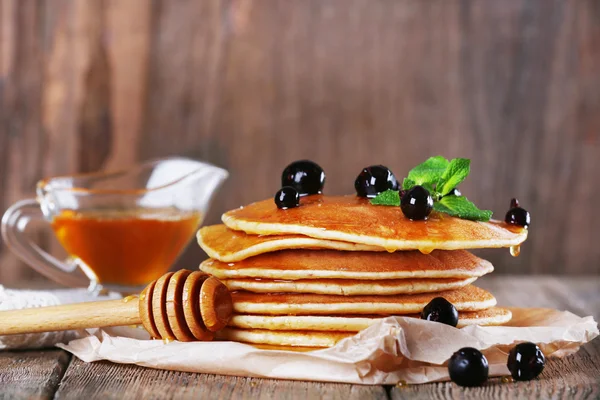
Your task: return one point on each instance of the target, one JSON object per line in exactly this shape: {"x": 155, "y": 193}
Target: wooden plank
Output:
{"x": 103, "y": 380}
{"x": 31, "y": 374}
{"x": 576, "y": 294}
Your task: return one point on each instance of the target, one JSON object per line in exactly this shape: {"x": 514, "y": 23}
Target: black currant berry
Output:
{"x": 514, "y": 203}
{"x": 417, "y": 203}
{"x": 468, "y": 367}
{"x": 525, "y": 361}
{"x": 374, "y": 180}
{"x": 440, "y": 310}
{"x": 305, "y": 176}
{"x": 287, "y": 197}
{"x": 518, "y": 216}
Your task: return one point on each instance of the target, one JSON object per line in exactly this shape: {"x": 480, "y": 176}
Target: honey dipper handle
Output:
{"x": 70, "y": 316}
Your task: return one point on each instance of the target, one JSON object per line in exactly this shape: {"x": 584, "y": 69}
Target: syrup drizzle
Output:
{"x": 515, "y": 250}
{"x": 129, "y": 298}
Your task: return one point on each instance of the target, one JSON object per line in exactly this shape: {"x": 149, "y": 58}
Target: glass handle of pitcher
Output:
{"x": 14, "y": 223}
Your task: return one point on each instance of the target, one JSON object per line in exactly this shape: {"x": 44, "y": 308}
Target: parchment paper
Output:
{"x": 392, "y": 350}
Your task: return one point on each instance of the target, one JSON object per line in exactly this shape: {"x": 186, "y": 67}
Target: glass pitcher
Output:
{"x": 121, "y": 229}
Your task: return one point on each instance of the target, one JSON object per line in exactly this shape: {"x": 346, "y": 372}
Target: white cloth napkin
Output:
{"x": 11, "y": 299}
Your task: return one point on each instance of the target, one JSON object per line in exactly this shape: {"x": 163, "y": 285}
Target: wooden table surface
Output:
{"x": 55, "y": 374}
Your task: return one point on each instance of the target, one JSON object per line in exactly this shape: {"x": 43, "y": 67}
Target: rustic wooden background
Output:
{"x": 252, "y": 85}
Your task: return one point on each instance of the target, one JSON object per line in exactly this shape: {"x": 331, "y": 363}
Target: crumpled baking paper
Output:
{"x": 393, "y": 350}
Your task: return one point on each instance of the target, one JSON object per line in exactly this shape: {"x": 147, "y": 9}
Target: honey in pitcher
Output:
{"x": 126, "y": 247}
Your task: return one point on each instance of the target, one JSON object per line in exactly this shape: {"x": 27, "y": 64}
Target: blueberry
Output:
{"x": 287, "y": 197}
{"x": 468, "y": 367}
{"x": 525, "y": 361}
{"x": 440, "y": 310}
{"x": 305, "y": 176}
{"x": 373, "y": 180}
{"x": 514, "y": 203}
{"x": 417, "y": 203}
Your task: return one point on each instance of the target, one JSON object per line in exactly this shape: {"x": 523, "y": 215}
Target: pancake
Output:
{"x": 347, "y": 287}
{"x": 311, "y": 264}
{"x": 490, "y": 316}
{"x": 227, "y": 245}
{"x": 283, "y": 348}
{"x": 283, "y": 338}
{"x": 353, "y": 219}
{"x": 468, "y": 298}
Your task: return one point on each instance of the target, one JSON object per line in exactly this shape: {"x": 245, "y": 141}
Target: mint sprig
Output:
{"x": 439, "y": 176}
{"x": 387, "y": 198}
{"x": 427, "y": 173}
{"x": 461, "y": 207}
{"x": 456, "y": 172}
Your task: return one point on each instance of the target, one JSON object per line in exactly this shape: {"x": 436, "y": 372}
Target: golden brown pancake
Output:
{"x": 353, "y": 323}
{"x": 283, "y": 348}
{"x": 310, "y": 264}
{"x": 346, "y": 287}
{"x": 224, "y": 244}
{"x": 283, "y": 338}
{"x": 468, "y": 298}
{"x": 353, "y": 219}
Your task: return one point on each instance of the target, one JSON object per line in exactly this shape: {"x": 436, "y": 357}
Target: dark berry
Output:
{"x": 287, "y": 197}
{"x": 440, "y": 310}
{"x": 374, "y": 180}
{"x": 518, "y": 216}
{"x": 525, "y": 361}
{"x": 468, "y": 367}
{"x": 514, "y": 203}
{"x": 454, "y": 192}
{"x": 305, "y": 176}
{"x": 417, "y": 203}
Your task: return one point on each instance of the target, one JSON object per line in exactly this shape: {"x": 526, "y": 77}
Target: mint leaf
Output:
{"x": 387, "y": 198}
{"x": 408, "y": 183}
{"x": 461, "y": 207}
{"x": 455, "y": 173}
{"x": 428, "y": 172}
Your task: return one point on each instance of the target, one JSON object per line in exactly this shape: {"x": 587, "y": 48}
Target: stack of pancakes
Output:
{"x": 312, "y": 275}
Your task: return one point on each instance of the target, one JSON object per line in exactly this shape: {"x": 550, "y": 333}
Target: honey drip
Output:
{"x": 167, "y": 340}
{"x": 401, "y": 384}
{"x": 129, "y": 298}
{"x": 426, "y": 250}
{"x": 515, "y": 250}
{"x": 507, "y": 379}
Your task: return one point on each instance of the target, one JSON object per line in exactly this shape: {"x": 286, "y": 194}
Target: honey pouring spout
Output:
{"x": 191, "y": 184}
{"x": 185, "y": 306}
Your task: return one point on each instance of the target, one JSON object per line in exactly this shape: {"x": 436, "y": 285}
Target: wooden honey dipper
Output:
{"x": 184, "y": 305}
